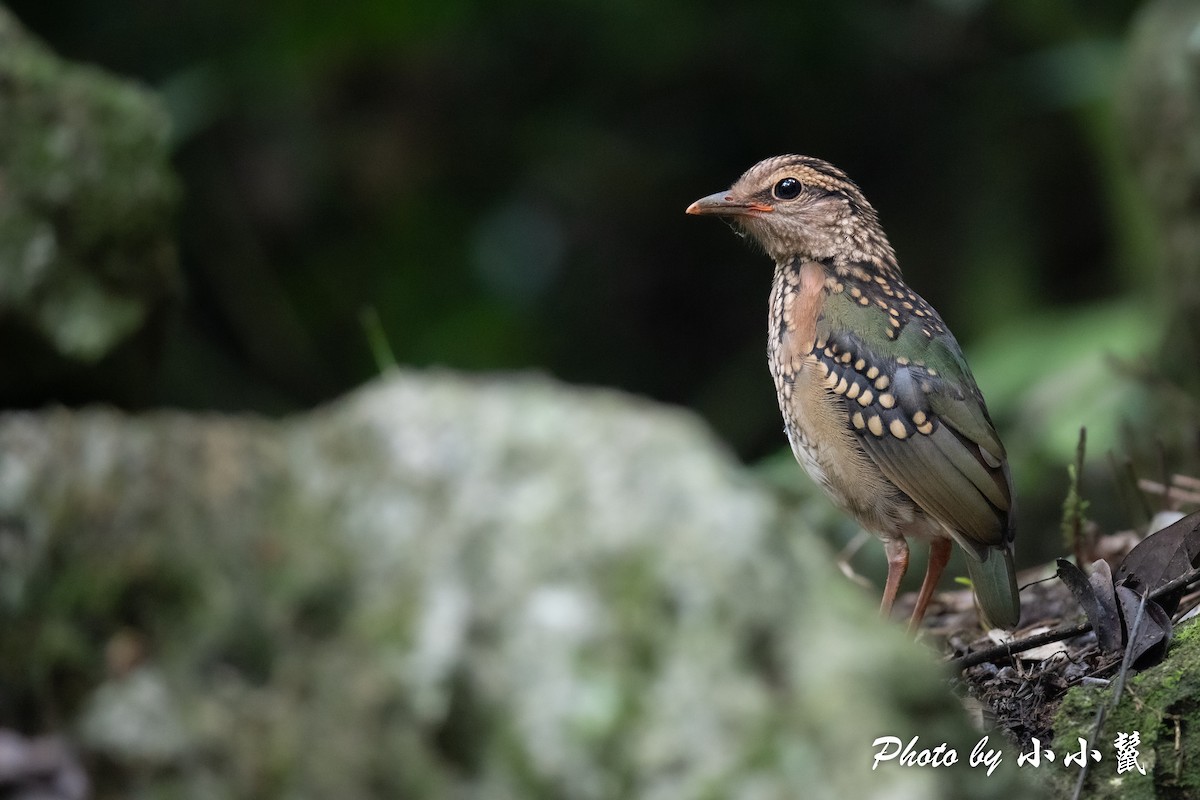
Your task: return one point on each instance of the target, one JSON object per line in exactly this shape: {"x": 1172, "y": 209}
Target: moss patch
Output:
{"x": 1161, "y": 704}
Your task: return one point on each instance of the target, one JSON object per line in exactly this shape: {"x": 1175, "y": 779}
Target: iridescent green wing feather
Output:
{"x": 915, "y": 409}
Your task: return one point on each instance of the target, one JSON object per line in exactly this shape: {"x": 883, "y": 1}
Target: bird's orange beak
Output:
{"x": 724, "y": 204}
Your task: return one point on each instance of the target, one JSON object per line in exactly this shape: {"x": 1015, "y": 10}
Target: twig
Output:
{"x": 1165, "y": 471}
{"x": 1128, "y": 659}
{"x": 1175, "y": 494}
{"x": 1119, "y": 485}
{"x": 1102, "y": 712}
{"x": 1125, "y": 475}
{"x": 847, "y": 553}
{"x": 1074, "y": 505}
{"x": 1186, "y": 481}
{"x": 1137, "y": 493}
{"x": 1012, "y": 648}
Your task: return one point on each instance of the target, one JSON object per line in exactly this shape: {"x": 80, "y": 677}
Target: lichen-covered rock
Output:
{"x": 445, "y": 586}
{"x": 87, "y": 199}
{"x": 1160, "y": 706}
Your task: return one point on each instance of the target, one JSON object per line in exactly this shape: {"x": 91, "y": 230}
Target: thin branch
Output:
{"x": 1074, "y": 506}
{"x": 1102, "y": 712}
{"x": 1012, "y": 648}
{"x": 1174, "y": 494}
{"x": 1009, "y": 649}
{"x": 1128, "y": 659}
{"x": 1122, "y": 490}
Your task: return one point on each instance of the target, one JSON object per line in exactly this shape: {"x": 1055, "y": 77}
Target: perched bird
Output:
{"x": 877, "y": 400}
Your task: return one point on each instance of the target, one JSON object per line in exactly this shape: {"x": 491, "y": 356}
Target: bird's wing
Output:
{"x": 916, "y": 411}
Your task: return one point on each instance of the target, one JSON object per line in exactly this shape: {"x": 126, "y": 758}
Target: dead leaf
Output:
{"x": 1161, "y": 557}
{"x": 1101, "y": 613}
{"x": 1108, "y": 631}
{"x": 1154, "y": 630}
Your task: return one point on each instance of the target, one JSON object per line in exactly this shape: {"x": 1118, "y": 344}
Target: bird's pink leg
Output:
{"x": 897, "y": 557}
{"x": 939, "y": 554}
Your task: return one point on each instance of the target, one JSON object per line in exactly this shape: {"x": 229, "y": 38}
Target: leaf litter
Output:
{"x": 1077, "y": 627}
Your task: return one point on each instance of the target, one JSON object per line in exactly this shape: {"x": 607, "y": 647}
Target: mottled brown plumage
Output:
{"x": 878, "y": 402}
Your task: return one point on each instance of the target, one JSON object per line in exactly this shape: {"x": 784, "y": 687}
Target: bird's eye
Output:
{"x": 788, "y": 189}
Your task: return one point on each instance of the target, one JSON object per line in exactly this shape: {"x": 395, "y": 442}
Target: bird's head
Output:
{"x": 797, "y": 206}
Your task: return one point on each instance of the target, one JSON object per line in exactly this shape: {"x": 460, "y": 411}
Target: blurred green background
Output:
{"x": 501, "y": 185}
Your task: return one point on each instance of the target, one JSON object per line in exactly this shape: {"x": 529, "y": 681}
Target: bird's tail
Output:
{"x": 995, "y": 584}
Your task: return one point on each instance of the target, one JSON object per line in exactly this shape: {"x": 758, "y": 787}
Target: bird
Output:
{"x": 878, "y": 402}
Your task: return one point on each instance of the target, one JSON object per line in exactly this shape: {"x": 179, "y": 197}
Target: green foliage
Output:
{"x": 504, "y": 183}
{"x": 377, "y": 339}
{"x": 1048, "y": 375}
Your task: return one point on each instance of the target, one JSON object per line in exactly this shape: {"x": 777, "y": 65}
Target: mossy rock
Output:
{"x": 1162, "y": 705}
{"x": 446, "y": 586}
{"x": 87, "y": 201}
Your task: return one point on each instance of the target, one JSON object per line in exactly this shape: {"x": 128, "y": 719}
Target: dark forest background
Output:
{"x": 501, "y": 185}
